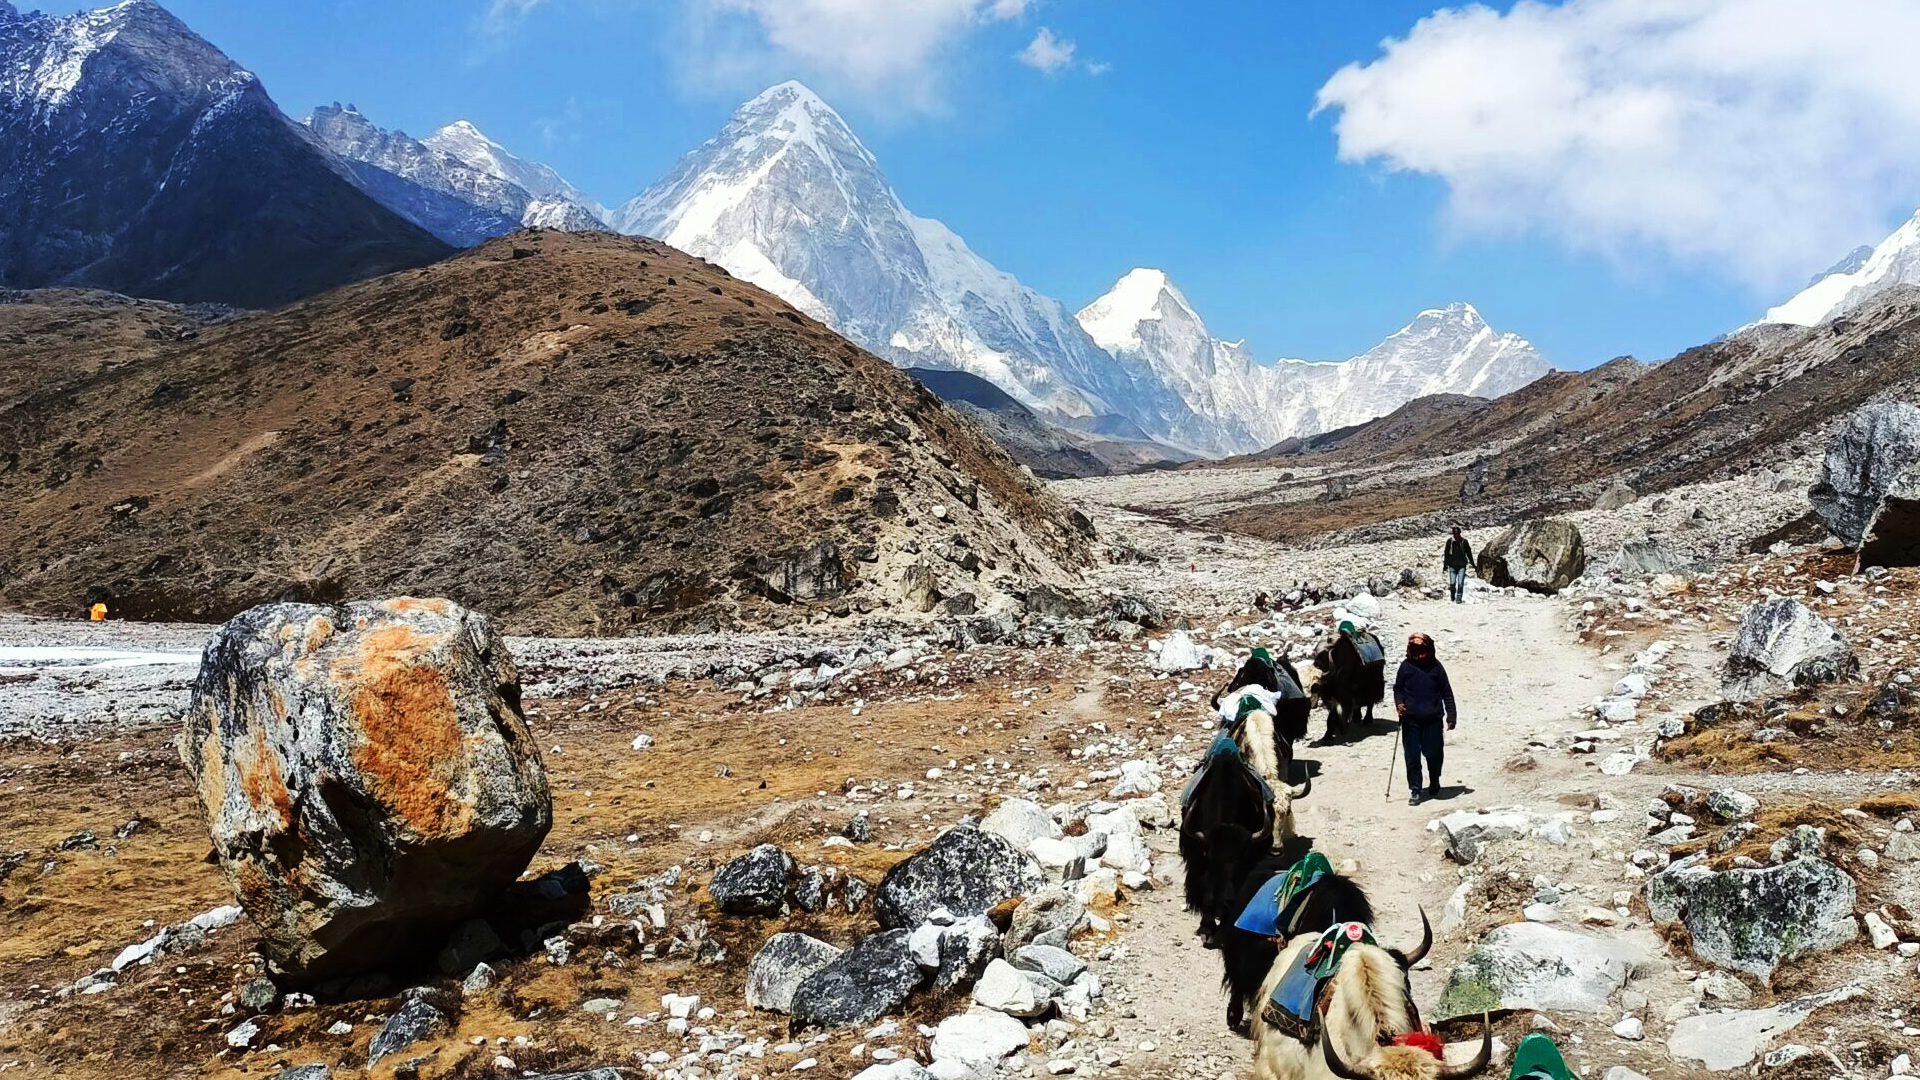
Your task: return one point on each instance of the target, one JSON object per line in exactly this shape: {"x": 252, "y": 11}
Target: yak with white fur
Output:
{"x": 1368, "y": 1026}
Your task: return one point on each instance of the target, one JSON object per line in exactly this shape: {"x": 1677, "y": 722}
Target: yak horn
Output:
{"x": 1300, "y": 790}
{"x": 1480, "y": 1060}
{"x": 1334, "y": 1065}
{"x": 1426, "y": 943}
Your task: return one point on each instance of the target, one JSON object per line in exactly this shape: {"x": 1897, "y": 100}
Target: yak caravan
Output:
{"x": 661, "y": 608}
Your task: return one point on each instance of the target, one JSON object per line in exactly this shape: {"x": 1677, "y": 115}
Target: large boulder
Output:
{"x": 1782, "y": 644}
{"x": 1869, "y": 452}
{"x": 1894, "y": 537}
{"x": 367, "y": 776}
{"x": 1542, "y": 556}
{"x": 1531, "y": 965}
{"x": 861, "y": 985}
{"x": 977, "y": 1040}
{"x": 753, "y": 884}
{"x": 964, "y": 870}
{"x": 782, "y": 964}
{"x": 1020, "y": 822}
{"x": 1756, "y": 920}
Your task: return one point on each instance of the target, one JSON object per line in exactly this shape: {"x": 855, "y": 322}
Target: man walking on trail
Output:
{"x": 1459, "y": 556}
{"x": 1423, "y": 697}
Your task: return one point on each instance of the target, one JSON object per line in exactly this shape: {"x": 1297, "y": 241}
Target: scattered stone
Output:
{"x": 1048, "y": 910}
{"x": 392, "y": 729}
{"x": 1731, "y": 805}
{"x": 782, "y": 964}
{"x": 1020, "y": 822}
{"x": 1468, "y": 832}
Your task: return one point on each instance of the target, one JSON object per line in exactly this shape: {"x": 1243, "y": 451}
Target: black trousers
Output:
{"x": 1423, "y": 737}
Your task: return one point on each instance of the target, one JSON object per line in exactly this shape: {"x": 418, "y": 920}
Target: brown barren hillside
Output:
{"x": 1753, "y": 399}
{"x": 576, "y": 432}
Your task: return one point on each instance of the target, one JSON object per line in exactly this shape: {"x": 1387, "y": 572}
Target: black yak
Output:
{"x": 1246, "y": 956}
{"x": 1226, "y": 821}
{"x": 1351, "y": 678}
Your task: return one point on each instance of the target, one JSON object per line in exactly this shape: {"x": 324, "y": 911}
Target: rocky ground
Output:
{"x": 1583, "y": 766}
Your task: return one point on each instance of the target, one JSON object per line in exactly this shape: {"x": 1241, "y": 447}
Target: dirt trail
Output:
{"x": 1517, "y": 673}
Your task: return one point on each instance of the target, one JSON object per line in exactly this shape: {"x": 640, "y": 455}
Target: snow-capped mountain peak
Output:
{"x": 467, "y": 143}
{"x": 1141, "y": 295}
{"x": 1864, "y": 272}
{"x": 1240, "y": 402}
{"x": 788, "y": 198}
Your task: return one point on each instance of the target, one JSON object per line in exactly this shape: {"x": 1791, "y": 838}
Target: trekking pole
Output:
{"x": 1393, "y": 761}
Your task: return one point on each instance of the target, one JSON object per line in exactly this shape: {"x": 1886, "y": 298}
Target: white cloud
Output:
{"x": 891, "y": 50}
{"x": 503, "y": 15}
{"x": 1047, "y": 53}
{"x": 1760, "y": 137}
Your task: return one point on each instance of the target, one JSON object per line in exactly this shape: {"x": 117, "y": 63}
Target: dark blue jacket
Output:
{"x": 1423, "y": 688}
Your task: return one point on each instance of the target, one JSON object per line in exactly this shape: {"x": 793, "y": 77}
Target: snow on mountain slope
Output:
{"x": 1895, "y": 261}
{"x": 463, "y": 141}
{"x": 788, "y": 198}
{"x": 1449, "y": 350}
{"x": 467, "y": 166}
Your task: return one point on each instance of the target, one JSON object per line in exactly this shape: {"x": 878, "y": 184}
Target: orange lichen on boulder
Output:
{"x": 411, "y": 744}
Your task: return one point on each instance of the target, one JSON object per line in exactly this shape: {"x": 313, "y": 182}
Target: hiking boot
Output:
{"x": 1433, "y": 790}
{"x": 1414, "y": 799}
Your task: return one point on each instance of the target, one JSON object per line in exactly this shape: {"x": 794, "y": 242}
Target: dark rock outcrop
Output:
{"x": 753, "y": 884}
{"x": 964, "y": 870}
{"x": 863, "y": 984}
{"x": 1876, "y": 444}
{"x": 1781, "y": 644}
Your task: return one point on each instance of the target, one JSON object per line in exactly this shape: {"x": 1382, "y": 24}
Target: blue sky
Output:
{"x": 1182, "y": 136}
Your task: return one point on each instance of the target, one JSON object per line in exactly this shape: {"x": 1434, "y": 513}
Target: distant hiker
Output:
{"x": 1423, "y": 697}
{"x": 1459, "y": 556}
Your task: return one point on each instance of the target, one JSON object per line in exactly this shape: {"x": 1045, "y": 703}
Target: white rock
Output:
{"x": 1178, "y": 653}
{"x": 1127, "y": 853}
{"x": 1881, "y": 934}
{"x": 1004, "y": 988}
{"x": 1052, "y": 854}
{"x": 979, "y": 1038}
{"x": 1730, "y": 1040}
{"x": 1020, "y": 822}
{"x": 1630, "y": 1029}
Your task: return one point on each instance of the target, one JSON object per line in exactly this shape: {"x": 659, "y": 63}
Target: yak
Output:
{"x": 1368, "y": 1027}
{"x": 1347, "y": 683}
{"x": 1226, "y": 820}
{"x": 1247, "y": 957}
{"x": 1281, "y": 679}
{"x": 1271, "y": 758}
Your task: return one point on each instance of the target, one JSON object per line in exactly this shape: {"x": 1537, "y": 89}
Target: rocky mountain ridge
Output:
{"x": 201, "y": 188}
{"x": 577, "y": 432}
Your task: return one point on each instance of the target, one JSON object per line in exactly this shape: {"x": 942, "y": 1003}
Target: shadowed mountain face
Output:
{"x": 574, "y": 432}
{"x": 134, "y": 156}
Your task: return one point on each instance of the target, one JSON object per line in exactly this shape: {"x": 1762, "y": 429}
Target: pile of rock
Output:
{"x": 991, "y": 910}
